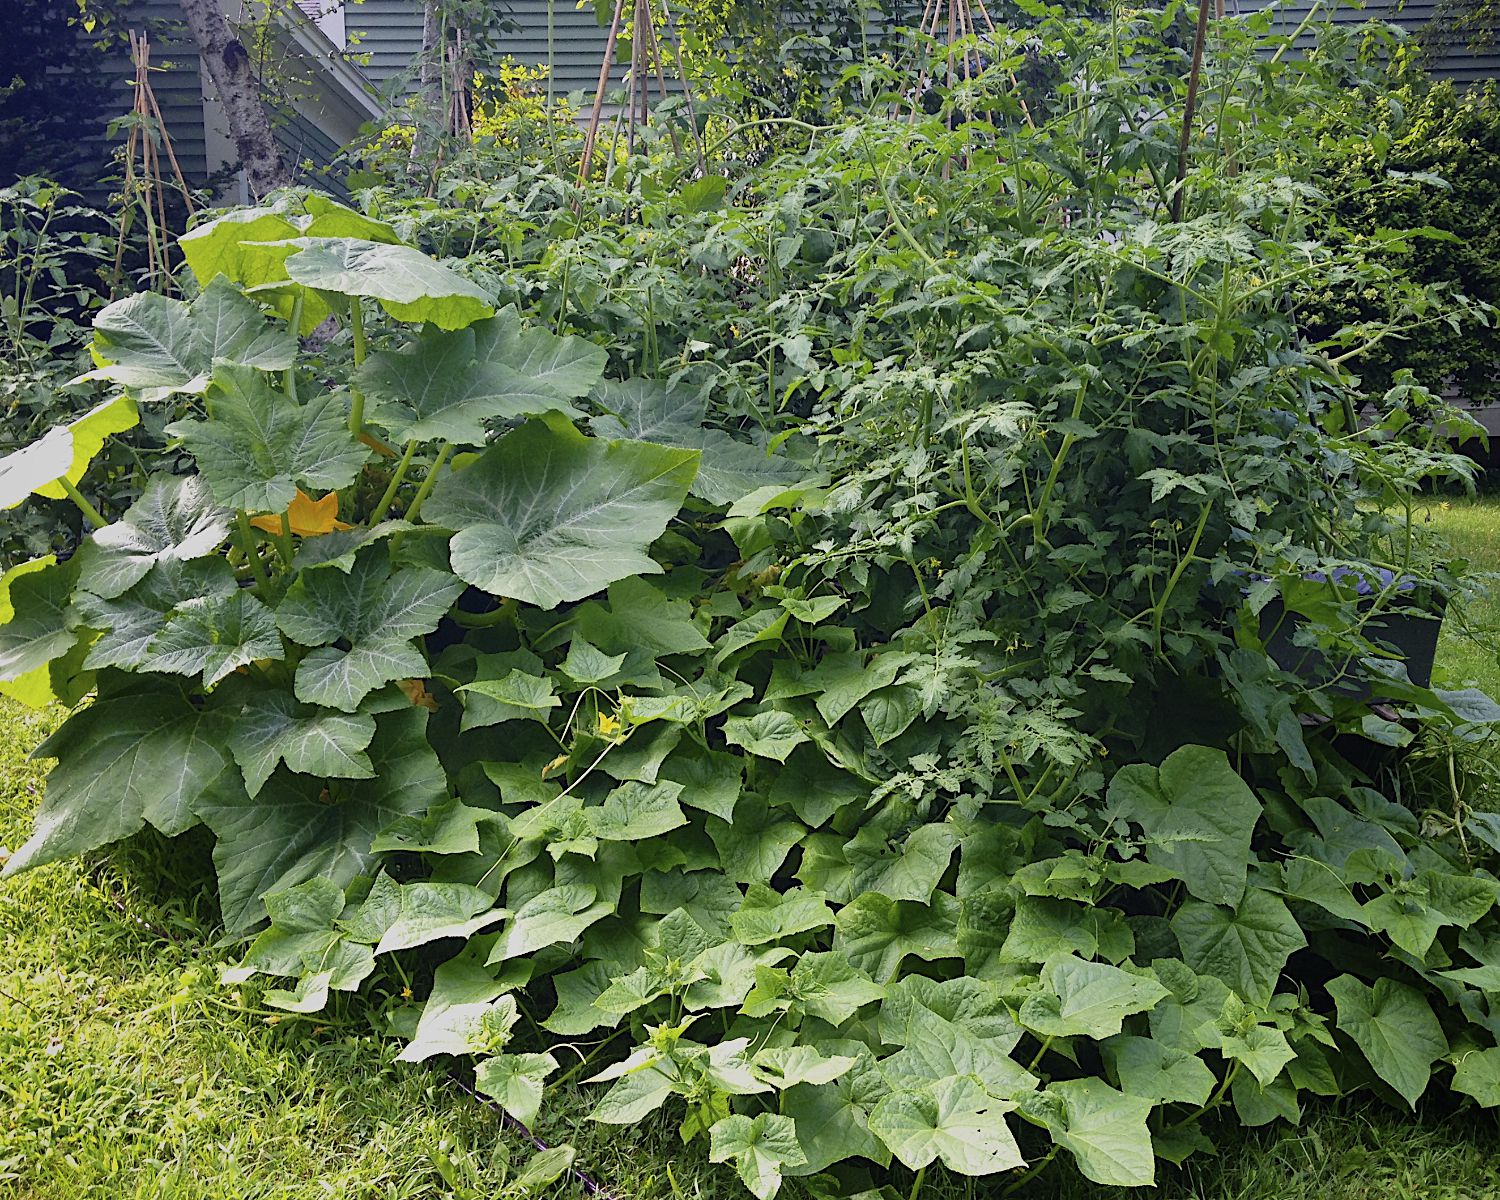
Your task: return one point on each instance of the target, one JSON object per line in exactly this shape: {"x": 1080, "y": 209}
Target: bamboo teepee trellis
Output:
{"x": 145, "y": 184}
{"x": 961, "y": 26}
{"x": 647, "y": 65}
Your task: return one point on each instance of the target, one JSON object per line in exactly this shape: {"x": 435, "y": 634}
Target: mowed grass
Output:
{"x": 127, "y": 1071}
{"x": 1467, "y": 650}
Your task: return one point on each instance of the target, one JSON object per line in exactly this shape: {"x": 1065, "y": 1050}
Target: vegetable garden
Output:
{"x": 874, "y": 650}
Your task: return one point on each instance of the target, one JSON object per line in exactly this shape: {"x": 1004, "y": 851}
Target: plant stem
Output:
{"x": 496, "y": 616}
{"x": 247, "y": 540}
{"x": 1039, "y": 526}
{"x": 290, "y": 378}
{"x": 1213, "y": 1101}
{"x": 357, "y": 327}
{"x": 1161, "y": 605}
{"x": 390, "y": 489}
{"x": 94, "y": 517}
{"x": 1032, "y": 1171}
{"x": 284, "y": 539}
{"x": 429, "y": 482}
{"x": 891, "y": 211}
{"x": 916, "y": 1184}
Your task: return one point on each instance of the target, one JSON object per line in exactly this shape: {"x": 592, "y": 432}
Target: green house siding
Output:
{"x": 308, "y": 151}
{"x": 577, "y": 43}
{"x": 1453, "y": 60}
{"x": 385, "y": 37}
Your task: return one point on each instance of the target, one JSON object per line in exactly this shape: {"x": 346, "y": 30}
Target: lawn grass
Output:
{"x": 127, "y": 1071}
{"x": 1467, "y": 649}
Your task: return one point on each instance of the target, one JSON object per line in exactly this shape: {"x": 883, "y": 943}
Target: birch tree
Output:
{"x": 228, "y": 65}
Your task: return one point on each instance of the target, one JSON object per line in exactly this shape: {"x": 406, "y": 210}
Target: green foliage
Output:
{"x": 859, "y": 730}
{"x": 1428, "y": 163}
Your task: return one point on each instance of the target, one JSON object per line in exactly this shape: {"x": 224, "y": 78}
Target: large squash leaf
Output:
{"x": 447, "y": 385}
{"x": 35, "y": 625}
{"x": 249, "y": 246}
{"x": 406, "y": 283}
{"x": 155, "y": 346}
{"x": 548, "y": 515}
{"x": 129, "y": 623}
{"x": 258, "y": 445}
{"x": 215, "y": 636}
{"x": 174, "y": 520}
{"x": 374, "y": 612}
{"x": 298, "y": 828}
{"x": 147, "y": 755}
{"x": 650, "y": 410}
{"x": 272, "y": 728}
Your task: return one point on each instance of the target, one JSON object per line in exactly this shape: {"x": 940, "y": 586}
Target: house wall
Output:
{"x": 308, "y": 150}
{"x": 1456, "y": 62}
{"x": 388, "y": 38}
{"x": 385, "y": 37}
{"x": 577, "y": 46}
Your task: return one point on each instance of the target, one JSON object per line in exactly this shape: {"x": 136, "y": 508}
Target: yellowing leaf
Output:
{"x": 308, "y": 517}
{"x": 416, "y": 691}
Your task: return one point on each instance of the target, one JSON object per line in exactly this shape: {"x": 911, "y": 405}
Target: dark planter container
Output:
{"x": 1409, "y": 627}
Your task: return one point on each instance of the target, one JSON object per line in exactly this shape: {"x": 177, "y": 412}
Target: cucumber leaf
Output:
{"x": 1394, "y": 1027}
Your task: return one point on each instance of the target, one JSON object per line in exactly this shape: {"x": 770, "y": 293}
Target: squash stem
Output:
{"x": 357, "y": 327}
{"x": 390, "y": 489}
{"x": 247, "y": 540}
{"x": 430, "y": 482}
{"x": 95, "y": 518}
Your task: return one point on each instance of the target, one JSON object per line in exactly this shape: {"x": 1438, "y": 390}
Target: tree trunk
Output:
{"x": 429, "y": 113}
{"x": 228, "y": 66}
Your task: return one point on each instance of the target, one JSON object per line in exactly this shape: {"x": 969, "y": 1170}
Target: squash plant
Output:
{"x": 231, "y": 622}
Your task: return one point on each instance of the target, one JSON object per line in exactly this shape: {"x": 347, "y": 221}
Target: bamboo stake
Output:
{"x": 591, "y": 136}
{"x": 1191, "y": 107}
{"x": 687, "y": 87}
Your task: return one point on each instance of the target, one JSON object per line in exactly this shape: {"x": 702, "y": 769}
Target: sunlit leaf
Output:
{"x": 63, "y": 452}
{"x": 407, "y": 284}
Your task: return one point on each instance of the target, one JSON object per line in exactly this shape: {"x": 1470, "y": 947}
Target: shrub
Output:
{"x": 1431, "y": 160}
